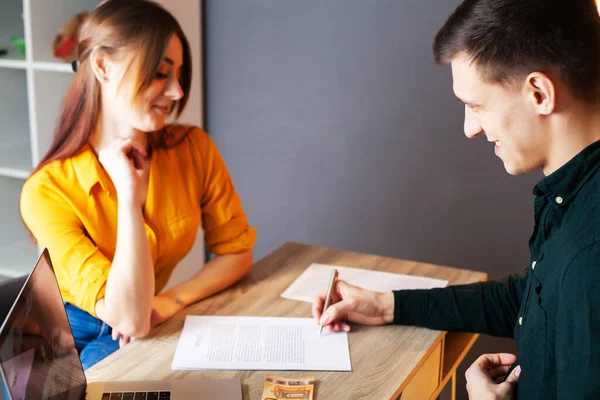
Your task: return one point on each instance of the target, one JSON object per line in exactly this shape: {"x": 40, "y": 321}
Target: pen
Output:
{"x": 334, "y": 275}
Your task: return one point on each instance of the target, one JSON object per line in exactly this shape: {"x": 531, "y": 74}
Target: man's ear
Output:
{"x": 100, "y": 65}
{"x": 540, "y": 91}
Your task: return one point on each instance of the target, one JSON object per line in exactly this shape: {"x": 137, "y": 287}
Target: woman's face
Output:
{"x": 154, "y": 103}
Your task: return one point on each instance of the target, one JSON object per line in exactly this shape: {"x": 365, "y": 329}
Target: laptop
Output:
{"x": 38, "y": 358}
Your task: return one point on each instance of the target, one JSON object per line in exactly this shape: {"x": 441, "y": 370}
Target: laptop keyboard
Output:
{"x": 137, "y": 396}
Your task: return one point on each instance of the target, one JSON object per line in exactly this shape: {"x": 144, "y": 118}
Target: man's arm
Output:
{"x": 485, "y": 307}
{"x": 578, "y": 328}
{"x": 488, "y": 307}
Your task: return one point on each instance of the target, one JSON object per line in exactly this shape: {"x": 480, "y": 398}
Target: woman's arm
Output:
{"x": 218, "y": 274}
{"x": 226, "y": 229}
{"x": 127, "y": 304}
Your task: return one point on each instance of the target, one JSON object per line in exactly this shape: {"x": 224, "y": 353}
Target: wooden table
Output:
{"x": 388, "y": 362}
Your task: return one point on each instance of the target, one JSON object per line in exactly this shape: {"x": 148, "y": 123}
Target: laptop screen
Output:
{"x": 38, "y": 357}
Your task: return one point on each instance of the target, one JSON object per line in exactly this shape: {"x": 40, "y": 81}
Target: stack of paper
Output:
{"x": 259, "y": 343}
{"x": 316, "y": 277}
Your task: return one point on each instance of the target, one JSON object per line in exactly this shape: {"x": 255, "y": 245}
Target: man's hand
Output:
{"x": 353, "y": 304}
{"x": 485, "y": 371}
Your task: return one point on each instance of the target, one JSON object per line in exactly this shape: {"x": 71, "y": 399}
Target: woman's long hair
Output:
{"x": 116, "y": 27}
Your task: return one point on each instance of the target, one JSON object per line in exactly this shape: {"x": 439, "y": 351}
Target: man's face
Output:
{"x": 502, "y": 113}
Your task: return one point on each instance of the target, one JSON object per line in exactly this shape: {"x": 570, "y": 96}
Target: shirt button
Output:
{"x": 533, "y": 264}
{"x": 520, "y": 320}
{"x": 559, "y": 200}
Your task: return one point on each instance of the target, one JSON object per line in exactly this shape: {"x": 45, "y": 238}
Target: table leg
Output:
{"x": 453, "y": 396}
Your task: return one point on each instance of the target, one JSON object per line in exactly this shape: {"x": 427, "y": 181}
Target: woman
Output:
{"x": 120, "y": 195}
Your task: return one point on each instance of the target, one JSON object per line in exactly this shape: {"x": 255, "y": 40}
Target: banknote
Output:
{"x": 277, "y": 388}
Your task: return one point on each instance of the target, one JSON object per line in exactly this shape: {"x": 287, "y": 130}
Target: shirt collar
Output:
{"x": 88, "y": 169}
{"x": 563, "y": 184}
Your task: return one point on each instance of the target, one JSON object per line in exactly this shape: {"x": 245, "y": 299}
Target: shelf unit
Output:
{"x": 31, "y": 91}
{"x": 31, "y": 87}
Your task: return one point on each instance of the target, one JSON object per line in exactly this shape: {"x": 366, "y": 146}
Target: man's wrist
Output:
{"x": 386, "y": 302}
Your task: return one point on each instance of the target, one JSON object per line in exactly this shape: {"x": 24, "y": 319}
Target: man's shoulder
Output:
{"x": 572, "y": 231}
{"x": 580, "y": 231}
{"x": 583, "y": 269}
{"x": 581, "y": 221}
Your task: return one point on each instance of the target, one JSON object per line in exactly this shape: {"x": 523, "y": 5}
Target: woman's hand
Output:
{"x": 123, "y": 340}
{"x": 124, "y": 161}
{"x": 163, "y": 308}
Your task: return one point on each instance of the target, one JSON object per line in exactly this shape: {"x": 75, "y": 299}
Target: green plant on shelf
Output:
{"x": 18, "y": 43}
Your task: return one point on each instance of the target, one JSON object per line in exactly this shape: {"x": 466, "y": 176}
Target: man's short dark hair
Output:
{"x": 509, "y": 39}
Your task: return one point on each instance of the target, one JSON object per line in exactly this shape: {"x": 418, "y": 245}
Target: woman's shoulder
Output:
{"x": 47, "y": 175}
{"x": 43, "y": 183}
{"x": 175, "y": 135}
{"x": 58, "y": 173}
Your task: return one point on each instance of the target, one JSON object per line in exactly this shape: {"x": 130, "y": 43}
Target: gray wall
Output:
{"x": 339, "y": 130}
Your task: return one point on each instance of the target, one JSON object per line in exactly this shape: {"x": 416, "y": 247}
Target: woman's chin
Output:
{"x": 155, "y": 124}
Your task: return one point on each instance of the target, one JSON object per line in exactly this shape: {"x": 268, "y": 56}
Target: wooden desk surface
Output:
{"x": 382, "y": 357}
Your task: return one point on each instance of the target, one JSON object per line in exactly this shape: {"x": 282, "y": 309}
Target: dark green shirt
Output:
{"x": 552, "y": 307}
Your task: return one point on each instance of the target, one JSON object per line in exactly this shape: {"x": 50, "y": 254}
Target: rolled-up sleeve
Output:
{"x": 80, "y": 268}
{"x": 224, "y": 222}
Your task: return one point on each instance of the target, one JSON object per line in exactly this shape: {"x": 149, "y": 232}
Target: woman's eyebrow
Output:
{"x": 170, "y": 62}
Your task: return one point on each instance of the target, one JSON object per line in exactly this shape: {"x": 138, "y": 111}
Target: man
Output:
{"x": 528, "y": 73}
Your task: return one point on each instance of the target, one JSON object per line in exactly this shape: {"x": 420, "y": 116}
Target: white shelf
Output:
{"x": 18, "y": 258}
{"x": 47, "y": 18}
{"x": 18, "y": 253}
{"x": 51, "y": 88}
{"x": 11, "y": 24}
{"x": 18, "y": 64}
{"x": 15, "y": 144}
{"x": 52, "y": 66}
{"x": 15, "y": 159}
{"x": 37, "y": 65}
{"x": 13, "y": 59}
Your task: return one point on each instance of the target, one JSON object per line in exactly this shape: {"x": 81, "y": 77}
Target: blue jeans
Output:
{"x": 93, "y": 338}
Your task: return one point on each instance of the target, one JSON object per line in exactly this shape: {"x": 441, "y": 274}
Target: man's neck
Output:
{"x": 571, "y": 132}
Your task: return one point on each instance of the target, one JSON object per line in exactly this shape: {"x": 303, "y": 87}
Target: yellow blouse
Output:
{"x": 70, "y": 206}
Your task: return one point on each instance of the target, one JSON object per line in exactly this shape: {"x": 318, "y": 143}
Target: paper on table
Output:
{"x": 259, "y": 343}
{"x": 315, "y": 279}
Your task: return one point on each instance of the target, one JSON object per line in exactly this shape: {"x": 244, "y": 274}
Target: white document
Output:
{"x": 259, "y": 343}
{"x": 316, "y": 277}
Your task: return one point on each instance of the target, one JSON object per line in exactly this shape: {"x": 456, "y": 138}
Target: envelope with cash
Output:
{"x": 277, "y": 388}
